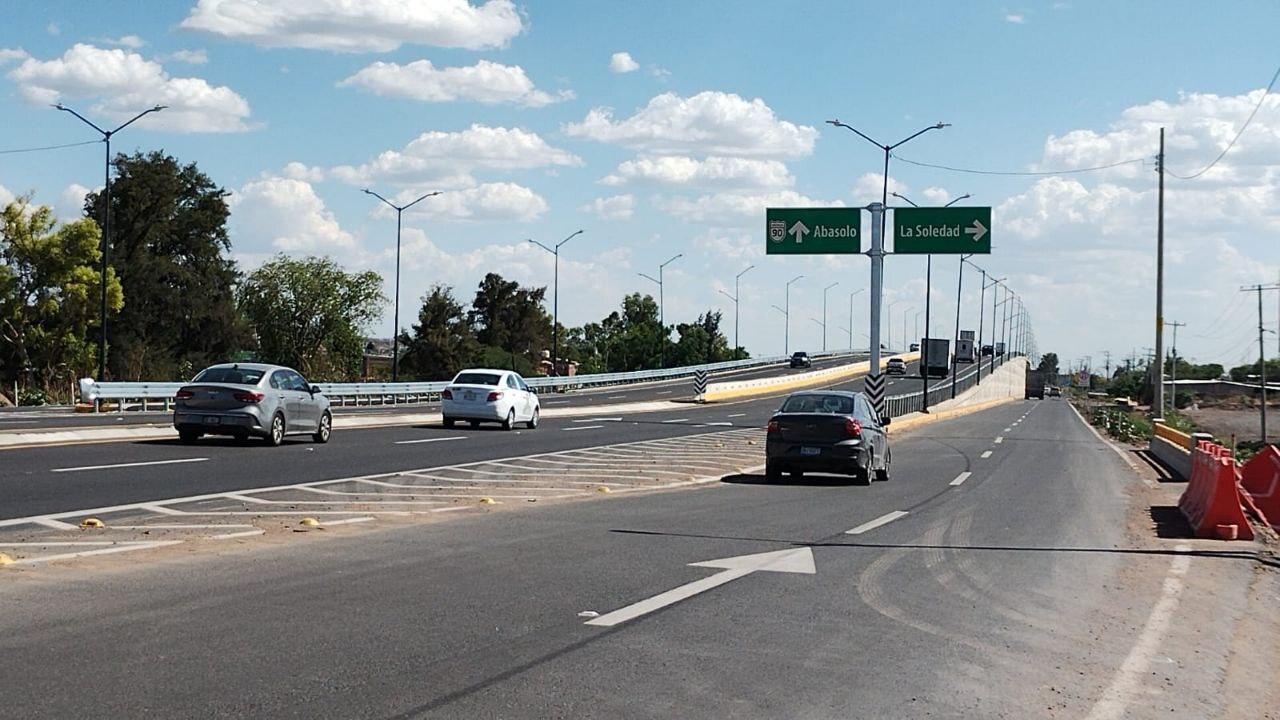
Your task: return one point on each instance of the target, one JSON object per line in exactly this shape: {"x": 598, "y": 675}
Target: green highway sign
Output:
{"x": 942, "y": 230}
{"x": 813, "y": 231}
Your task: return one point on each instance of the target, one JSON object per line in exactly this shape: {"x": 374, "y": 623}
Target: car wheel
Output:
{"x": 882, "y": 475}
{"x": 448, "y": 422}
{"x": 276, "y": 435}
{"x": 533, "y": 421}
{"x": 862, "y": 475}
{"x": 772, "y": 473}
{"x": 510, "y": 422}
{"x": 188, "y": 436}
{"x": 325, "y": 428}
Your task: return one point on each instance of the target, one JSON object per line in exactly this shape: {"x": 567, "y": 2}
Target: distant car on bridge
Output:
{"x": 246, "y": 400}
{"x": 895, "y": 366}
{"x": 801, "y": 359}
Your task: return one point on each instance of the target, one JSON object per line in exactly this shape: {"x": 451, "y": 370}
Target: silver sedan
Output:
{"x": 251, "y": 399}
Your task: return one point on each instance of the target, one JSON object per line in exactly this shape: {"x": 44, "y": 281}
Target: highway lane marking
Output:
{"x": 677, "y": 420}
{"x": 664, "y": 392}
{"x": 601, "y": 419}
{"x": 127, "y": 465}
{"x": 1008, "y": 429}
{"x": 56, "y": 524}
{"x": 615, "y": 397}
{"x": 737, "y": 415}
{"x": 348, "y": 521}
{"x": 1128, "y": 679}
{"x": 884, "y": 519}
{"x": 960, "y": 479}
{"x": 241, "y": 534}
{"x": 582, "y": 427}
{"x": 115, "y": 548}
{"x": 999, "y": 439}
{"x": 716, "y": 424}
{"x": 986, "y": 454}
{"x": 556, "y": 402}
{"x": 430, "y": 440}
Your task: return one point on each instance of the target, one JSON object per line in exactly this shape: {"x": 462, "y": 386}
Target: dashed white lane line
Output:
{"x": 986, "y": 454}
{"x": 430, "y": 440}
{"x": 615, "y": 397}
{"x": 1128, "y": 680}
{"x": 582, "y": 427}
{"x": 960, "y": 479}
{"x": 716, "y": 424}
{"x": 349, "y": 521}
{"x": 556, "y": 402}
{"x": 737, "y": 415}
{"x": 601, "y": 419}
{"x": 999, "y": 439}
{"x": 664, "y": 392}
{"x": 677, "y": 420}
{"x": 1008, "y": 429}
{"x": 128, "y": 465}
{"x": 882, "y": 520}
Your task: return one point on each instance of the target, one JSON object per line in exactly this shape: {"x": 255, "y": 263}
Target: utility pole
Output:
{"x": 786, "y": 330}
{"x": 824, "y": 314}
{"x": 855, "y": 292}
{"x": 662, "y": 318}
{"x": 395, "y": 330}
{"x": 1107, "y": 355}
{"x": 1173, "y": 382}
{"x": 736, "y": 295}
{"x": 1158, "y": 400}
{"x": 1262, "y": 356}
{"x": 959, "y": 286}
{"x": 555, "y": 303}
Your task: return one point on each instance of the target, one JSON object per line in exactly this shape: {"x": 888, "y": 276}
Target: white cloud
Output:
{"x": 738, "y": 173}
{"x": 935, "y": 196}
{"x": 8, "y": 54}
{"x": 124, "y": 83}
{"x": 869, "y": 188}
{"x": 133, "y": 42}
{"x": 6, "y": 196}
{"x": 71, "y": 201}
{"x": 285, "y": 215}
{"x": 709, "y": 123}
{"x": 621, "y": 62}
{"x": 616, "y": 207}
{"x": 53, "y": 29}
{"x": 190, "y": 57}
{"x": 366, "y": 26}
{"x": 487, "y": 202}
{"x": 485, "y": 82}
{"x": 1016, "y": 18}
{"x": 737, "y": 209}
{"x": 298, "y": 171}
{"x": 448, "y": 158}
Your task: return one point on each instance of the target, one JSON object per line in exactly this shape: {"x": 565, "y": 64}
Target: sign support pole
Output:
{"x": 924, "y": 346}
{"x": 875, "y": 381}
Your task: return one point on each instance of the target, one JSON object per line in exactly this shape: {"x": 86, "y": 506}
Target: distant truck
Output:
{"x": 1036, "y": 380}
{"x": 1000, "y": 349}
{"x": 935, "y": 358}
{"x": 964, "y": 347}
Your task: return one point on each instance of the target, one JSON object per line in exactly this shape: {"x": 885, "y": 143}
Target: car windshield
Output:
{"x": 475, "y": 378}
{"x": 232, "y": 375}
{"x": 833, "y": 404}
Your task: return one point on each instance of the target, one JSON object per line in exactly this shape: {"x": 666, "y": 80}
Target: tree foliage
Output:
{"x": 510, "y": 318}
{"x": 1049, "y": 364}
{"x": 310, "y": 314}
{"x": 442, "y": 342}
{"x": 169, "y": 243}
{"x": 50, "y": 295}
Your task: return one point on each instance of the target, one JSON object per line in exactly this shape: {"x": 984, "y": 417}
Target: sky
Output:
{"x": 664, "y": 128}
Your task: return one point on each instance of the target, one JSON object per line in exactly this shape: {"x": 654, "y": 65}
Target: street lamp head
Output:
{"x": 941, "y": 125}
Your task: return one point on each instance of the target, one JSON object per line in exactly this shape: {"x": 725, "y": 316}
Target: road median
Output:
{"x": 745, "y": 389}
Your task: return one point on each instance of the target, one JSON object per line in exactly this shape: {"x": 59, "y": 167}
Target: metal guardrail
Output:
{"x": 342, "y": 394}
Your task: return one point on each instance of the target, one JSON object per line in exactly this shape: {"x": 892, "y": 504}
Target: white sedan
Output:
{"x": 489, "y": 396}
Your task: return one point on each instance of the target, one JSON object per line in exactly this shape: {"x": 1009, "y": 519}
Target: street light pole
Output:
{"x": 662, "y": 318}
{"x": 555, "y": 302}
{"x": 855, "y": 292}
{"x": 395, "y": 330}
{"x": 888, "y": 328}
{"x": 786, "y": 330}
{"x": 824, "y": 314}
{"x": 106, "y": 221}
{"x": 959, "y": 287}
{"x": 736, "y": 295}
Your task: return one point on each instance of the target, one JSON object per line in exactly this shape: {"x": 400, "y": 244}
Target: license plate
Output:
{"x": 810, "y": 451}
{"x": 469, "y": 396}
{"x": 210, "y": 420}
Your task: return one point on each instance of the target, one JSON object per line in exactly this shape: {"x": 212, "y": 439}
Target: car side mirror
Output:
{"x": 315, "y": 389}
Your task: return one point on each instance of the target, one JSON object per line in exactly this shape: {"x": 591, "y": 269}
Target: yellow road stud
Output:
{"x": 309, "y": 522}
{"x": 488, "y": 501}
{"x": 602, "y": 489}
{"x": 92, "y": 522}
{"x": 6, "y": 560}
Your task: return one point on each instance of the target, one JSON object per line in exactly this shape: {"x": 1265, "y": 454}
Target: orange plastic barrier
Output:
{"x": 1212, "y": 502}
{"x": 1260, "y": 480}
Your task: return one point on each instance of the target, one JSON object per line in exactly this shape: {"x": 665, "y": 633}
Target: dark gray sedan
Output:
{"x": 827, "y": 431}
{"x": 251, "y": 399}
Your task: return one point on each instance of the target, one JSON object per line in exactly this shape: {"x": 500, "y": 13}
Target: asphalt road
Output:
{"x": 980, "y": 598}
{"x": 15, "y": 419}
{"x": 36, "y": 481}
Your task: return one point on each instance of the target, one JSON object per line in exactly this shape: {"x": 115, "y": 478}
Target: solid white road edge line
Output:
{"x": 882, "y": 520}
{"x": 1128, "y": 680}
{"x": 127, "y": 465}
{"x": 960, "y": 479}
{"x": 430, "y": 440}
{"x": 678, "y": 420}
{"x": 582, "y": 427}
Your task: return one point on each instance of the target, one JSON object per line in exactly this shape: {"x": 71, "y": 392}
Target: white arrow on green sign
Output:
{"x": 813, "y": 231}
{"x": 942, "y": 231}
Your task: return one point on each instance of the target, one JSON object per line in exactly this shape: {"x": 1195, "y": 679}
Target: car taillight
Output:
{"x": 249, "y": 397}
{"x": 183, "y": 395}
{"x": 852, "y": 428}
{"x": 495, "y": 396}
{"x": 774, "y": 427}
{"x": 447, "y": 394}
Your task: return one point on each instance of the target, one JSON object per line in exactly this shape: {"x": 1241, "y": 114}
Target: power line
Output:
{"x": 1231, "y": 144}
{"x": 971, "y": 171}
{"x": 48, "y": 147}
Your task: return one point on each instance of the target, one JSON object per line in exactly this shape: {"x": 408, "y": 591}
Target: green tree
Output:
{"x": 1049, "y": 364}
{"x": 442, "y": 342}
{"x": 1252, "y": 371}
{"x": 50, "y": 295}
{"x": 511, "y": 318}
{"x": 700, "y": 342}
{"x": 169, "y": 243}
{"x": 310, "y": 314}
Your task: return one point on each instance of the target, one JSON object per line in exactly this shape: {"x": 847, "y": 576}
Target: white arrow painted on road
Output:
{"x": 799, "y": 230}
{"x": 977, "y": 230}
{"x": 799, "y": 560}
